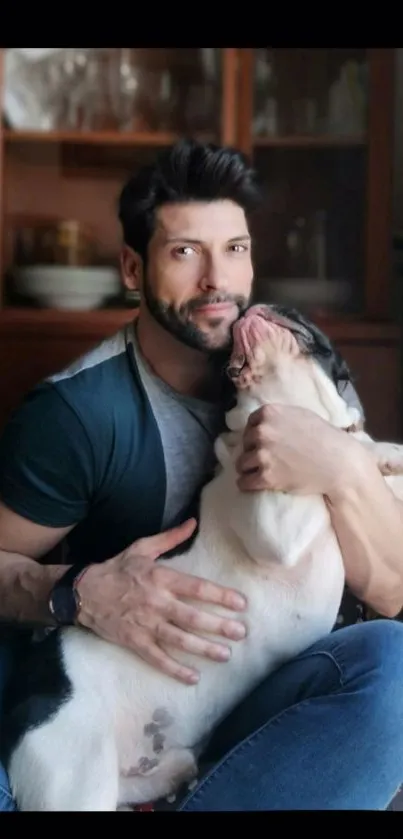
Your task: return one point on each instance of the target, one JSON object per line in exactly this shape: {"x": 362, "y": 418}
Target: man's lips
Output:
{"x": 215, "y": 308}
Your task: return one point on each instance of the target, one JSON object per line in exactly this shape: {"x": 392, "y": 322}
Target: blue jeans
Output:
{"x": 325, "y": 732}
{"x": 7, "y": 656}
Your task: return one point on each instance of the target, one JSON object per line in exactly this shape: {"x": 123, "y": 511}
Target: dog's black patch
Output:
{"x": 36, "y": 690}
{"x": 158, "y": 743}
{"x": 145, "y": 764}
{"x": 151, "y": 728}
{"x": 162, "y": 717}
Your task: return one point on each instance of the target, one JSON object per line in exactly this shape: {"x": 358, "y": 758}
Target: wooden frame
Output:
{"x": 236, "y": 129}
{"x": 380, "y": 187}
{"x": 144, "y": 139}
{"x": 378, "y": 267}
{"x": 35, "y": 342}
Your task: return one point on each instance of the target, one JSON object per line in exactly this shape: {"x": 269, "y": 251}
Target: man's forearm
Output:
{"x": 368, "y": 521}
{"x": 25, "y": 586}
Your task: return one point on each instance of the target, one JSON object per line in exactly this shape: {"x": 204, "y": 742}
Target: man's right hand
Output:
{"x": 134, "y": 602}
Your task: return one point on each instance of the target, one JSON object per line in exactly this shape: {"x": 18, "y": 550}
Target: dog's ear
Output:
{"x": 332, "y": 362}
{"x": 326, "y": 354}
{"x": 339, "y": 370}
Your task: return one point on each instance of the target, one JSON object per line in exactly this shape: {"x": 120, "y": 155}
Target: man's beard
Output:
{"x": 178, "y": 323}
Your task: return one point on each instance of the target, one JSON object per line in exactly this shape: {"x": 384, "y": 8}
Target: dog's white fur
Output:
{"x": 278, "y": 549}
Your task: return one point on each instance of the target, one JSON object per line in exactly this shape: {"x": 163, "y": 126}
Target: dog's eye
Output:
{"x": 235, "y": 369}
{"x": 234, "y": 372}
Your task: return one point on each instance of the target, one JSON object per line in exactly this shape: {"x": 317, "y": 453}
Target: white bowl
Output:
{"x": 67, "y": 287}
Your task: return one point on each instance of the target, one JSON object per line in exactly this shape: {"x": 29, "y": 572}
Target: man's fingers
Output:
{"x": 193, "y": 620}
{"x": 142, "y": 642}
{"x": 195, "y": 588}
{"x": 163, "y": 662}
{"x": 253, "y": 461}
{"x": 265, "y": 412}
{"x": 186, "y": 641}
{"x": 154, "y": 546}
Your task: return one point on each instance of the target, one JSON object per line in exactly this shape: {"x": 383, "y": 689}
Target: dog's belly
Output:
{"x": 155, "y": 717}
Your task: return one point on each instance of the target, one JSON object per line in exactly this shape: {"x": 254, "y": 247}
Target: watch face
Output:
{"x": 63, "y": 605}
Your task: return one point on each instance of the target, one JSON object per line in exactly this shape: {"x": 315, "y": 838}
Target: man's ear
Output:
{"x": 131, "y": 266}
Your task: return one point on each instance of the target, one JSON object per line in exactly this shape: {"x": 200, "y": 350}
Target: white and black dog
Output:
{"x": 96, "y": 728}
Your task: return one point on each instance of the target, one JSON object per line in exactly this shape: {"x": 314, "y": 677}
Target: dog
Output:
{"x": 101, "y": 730}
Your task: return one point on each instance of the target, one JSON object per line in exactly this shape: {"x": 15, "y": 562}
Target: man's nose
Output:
{"x": 215, "y": 277}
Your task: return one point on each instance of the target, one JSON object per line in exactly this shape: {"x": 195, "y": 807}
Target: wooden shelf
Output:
{"x": 311, "y": 141}
{"x": 79, "y": 174}
{"x": 14, "y": 319}
{"x": 112, "y": 138}
{"x": 20, "y": 321}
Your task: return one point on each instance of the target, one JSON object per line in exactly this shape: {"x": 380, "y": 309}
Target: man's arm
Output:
{"x": 124, "y": 599}
{"x": 291, "y": 449}
{"x": 46, "y": 480}
{"x": 25, "y": 584}
{"x": 368, "y": 521}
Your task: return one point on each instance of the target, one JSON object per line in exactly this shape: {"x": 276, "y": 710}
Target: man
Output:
{"x": 110, "y": 455}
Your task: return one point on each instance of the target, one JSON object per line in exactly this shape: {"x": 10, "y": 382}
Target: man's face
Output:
{"x": 199, "y": 271}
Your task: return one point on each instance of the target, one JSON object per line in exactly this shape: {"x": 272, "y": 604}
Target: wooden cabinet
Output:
{"x": 318, "y": 125}
{"x": 29, "y": 354}
{"x": 376, "y": 366}
{"x": 320, "y": 131}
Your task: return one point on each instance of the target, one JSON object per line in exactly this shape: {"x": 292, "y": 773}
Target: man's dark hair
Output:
{"x": 187, "y": 171}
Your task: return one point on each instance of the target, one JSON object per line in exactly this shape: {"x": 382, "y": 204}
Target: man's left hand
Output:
{"x": 290, "y": 449}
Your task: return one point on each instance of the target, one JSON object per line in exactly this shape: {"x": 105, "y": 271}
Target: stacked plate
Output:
{"x": 67, "y": 287}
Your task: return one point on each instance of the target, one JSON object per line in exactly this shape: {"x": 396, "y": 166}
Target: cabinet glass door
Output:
{"x": 309, "y": 143}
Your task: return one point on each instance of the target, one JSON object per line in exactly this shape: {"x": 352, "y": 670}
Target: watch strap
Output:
{"x": 67, "y": 586}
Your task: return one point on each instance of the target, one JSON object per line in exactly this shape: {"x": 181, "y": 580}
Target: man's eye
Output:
{"x": 239, "y": 248}
{"x": 184, "y": 250}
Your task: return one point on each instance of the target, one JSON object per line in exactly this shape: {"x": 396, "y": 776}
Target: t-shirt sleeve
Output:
{"x": 46, "y": 461}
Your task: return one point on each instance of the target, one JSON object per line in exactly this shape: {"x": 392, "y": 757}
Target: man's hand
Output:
{"x": 136, "y": 603}
{"x": 291, "y": 449}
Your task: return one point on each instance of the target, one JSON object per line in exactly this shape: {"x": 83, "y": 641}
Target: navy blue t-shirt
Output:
{"x": 84, "y": 449}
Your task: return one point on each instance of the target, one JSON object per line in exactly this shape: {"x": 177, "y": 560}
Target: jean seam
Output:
{"x": 240, "y": 748}
{"x": 6, "y": 792}
{"x": 329, "y": 655}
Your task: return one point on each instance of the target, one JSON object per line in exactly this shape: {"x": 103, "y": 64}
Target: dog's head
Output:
{"x": 280, "y": 356}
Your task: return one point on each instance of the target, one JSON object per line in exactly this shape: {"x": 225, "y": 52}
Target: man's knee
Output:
{"x": 369, "y": 659}
{"x": 379, "y": 646}
{"x": 377, "y": 671}
{"x": 372, "y": 647}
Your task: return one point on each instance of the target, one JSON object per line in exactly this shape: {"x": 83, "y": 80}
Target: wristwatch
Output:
{"x": 64, "y": 601}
